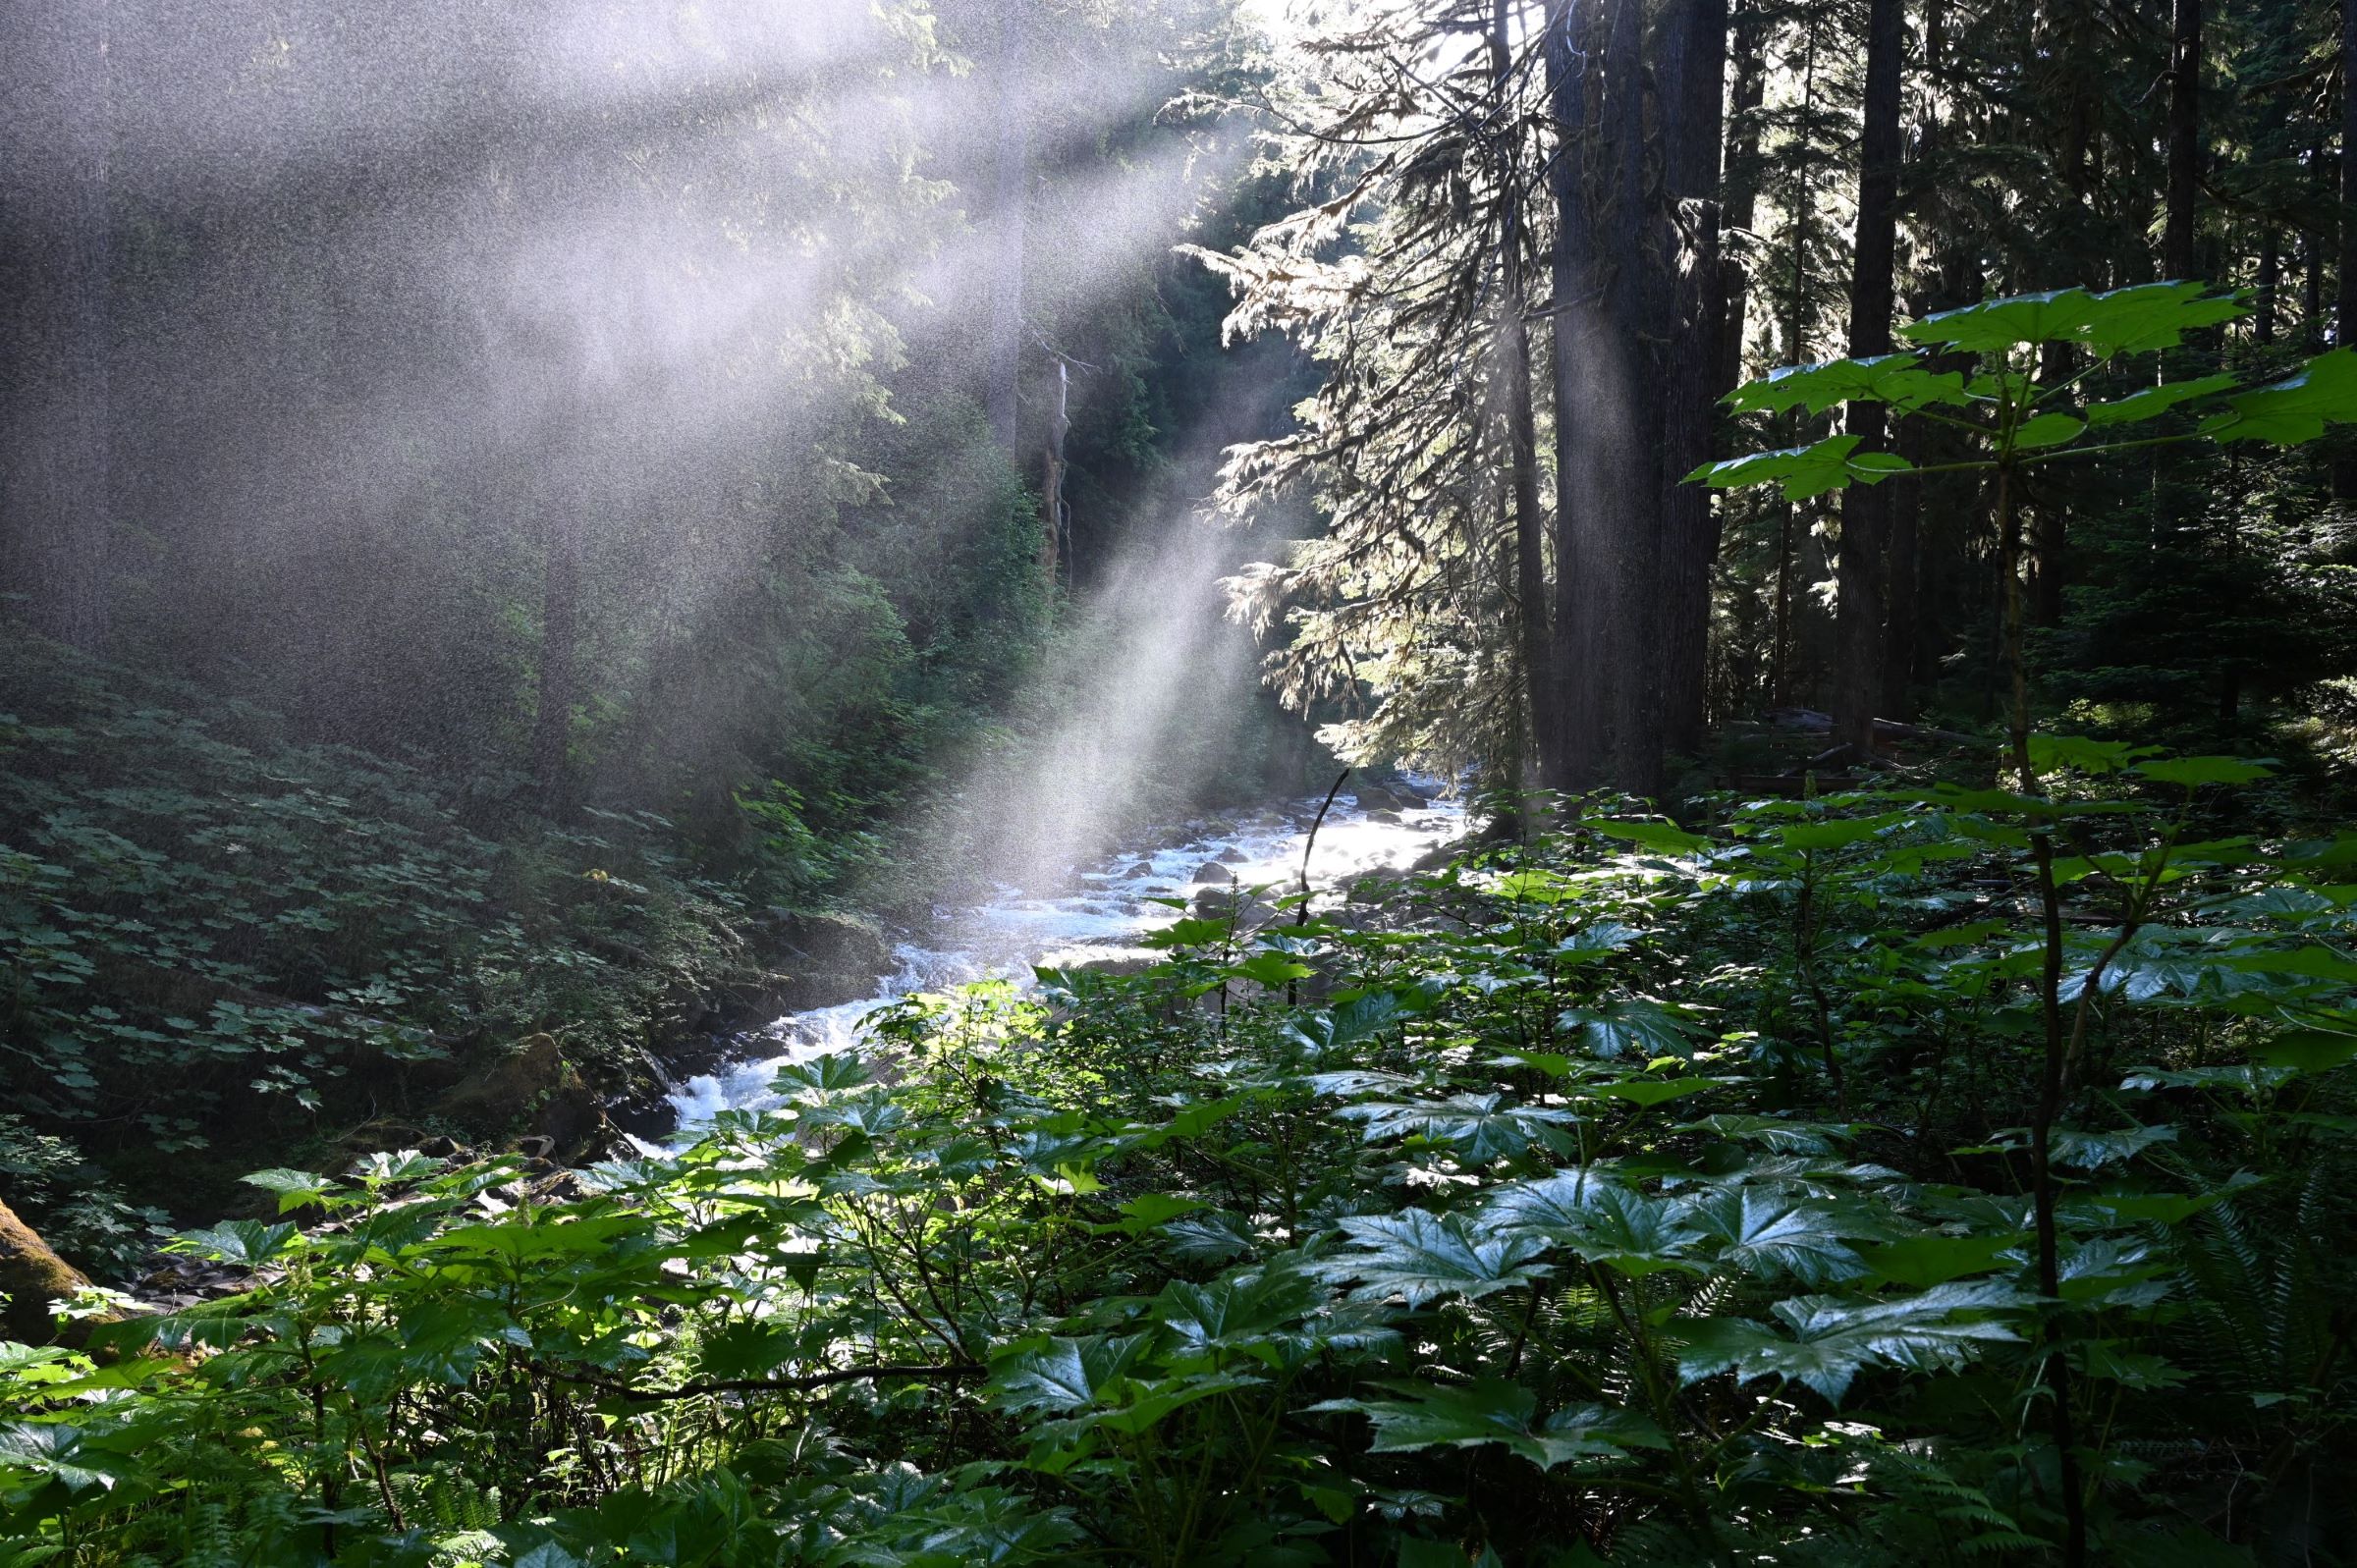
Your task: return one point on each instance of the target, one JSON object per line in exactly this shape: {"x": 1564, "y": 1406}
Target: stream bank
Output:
{"x": 1095, "y": 916}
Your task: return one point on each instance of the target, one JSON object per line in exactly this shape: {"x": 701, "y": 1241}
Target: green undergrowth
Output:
{"x": 215, "y": 940}
{"x": 1636, "y": 1196}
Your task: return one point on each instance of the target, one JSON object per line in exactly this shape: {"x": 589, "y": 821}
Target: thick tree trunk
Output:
{"x": 1572, "y": 724}
{"x": 2344, "y": 468}
{"x": 1606, "y": 420}
{"x": 1632, "y": 464}
{"x": 1001, "y": 390}
{"x": 2312, "y": 292}
{"x": 56, "y": 522}
{"x": 1521, "y": 427}
{"x": 2184, "y": 139}
{"x": 1689, "y": 72}
{"x": 1862, "y": 567}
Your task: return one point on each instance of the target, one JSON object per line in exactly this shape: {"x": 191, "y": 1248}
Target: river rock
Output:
{"x": 1144, "y": 868}
{"x": 1212, "y": 874}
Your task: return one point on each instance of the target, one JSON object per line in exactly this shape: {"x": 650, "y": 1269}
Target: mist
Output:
{"x": 596, "y": 396}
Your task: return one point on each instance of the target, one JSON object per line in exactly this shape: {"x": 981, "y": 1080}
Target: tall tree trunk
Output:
{"x": 1781, "y": 647}
{"x": 2184, "y": 139}
{"x": 1689, "y": 72}
{"x": 1632, "y": 464}
{"x": 2312, "y": 292}
{"x": 2344, "y": 469}
{"x": 1570, "y": 744}
{"x": 1899, "y": 629}
{"x": 1002, "y": 393}
{"x": 1522, "y": 424}
{"x": 1741, "y": 201}
{"x": 2270, "y": 278}
{"x": 558, "y": 688}
{"x": 56, "y": 511}
{"x": 1055, "y": 513}
{"x": 1862, "y": 565}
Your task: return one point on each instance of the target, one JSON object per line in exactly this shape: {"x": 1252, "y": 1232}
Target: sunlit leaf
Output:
{"x": 1421, "y": 1257}
{"x": 2294, "y": 410}
{"x": 1828, "y": 1340}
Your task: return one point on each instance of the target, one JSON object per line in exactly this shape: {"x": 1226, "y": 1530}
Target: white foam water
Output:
{"x": 1107, "y": 909}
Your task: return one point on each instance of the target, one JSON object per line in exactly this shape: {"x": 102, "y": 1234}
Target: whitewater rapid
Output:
{"x": 1108, "y": 909}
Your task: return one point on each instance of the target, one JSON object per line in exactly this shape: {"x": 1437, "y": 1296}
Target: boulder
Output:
{"x": 831, "y": 943}
{"x": 532, "y": 1087}
{"x": 1212, "y": 874}
{"x": 1144, "y": 868}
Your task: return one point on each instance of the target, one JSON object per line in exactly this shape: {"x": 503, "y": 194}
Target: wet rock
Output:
{"x": 1144, "y": 868}
{"x": 1112, "y": 961}
{"x": 1386, "y": 816}
{"x": 1231, "y": 856}
{"x": 532, "y": 1087}
{"x": 1440, "y": 855}
{"x": 1212, "y": 874}
{"x": 827, "y": 942}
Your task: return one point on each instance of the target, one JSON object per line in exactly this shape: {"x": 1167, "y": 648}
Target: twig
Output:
{"x": 1312, "y": 844}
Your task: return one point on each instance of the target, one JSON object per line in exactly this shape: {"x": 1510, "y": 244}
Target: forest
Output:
{"x": 1430, "y": 783}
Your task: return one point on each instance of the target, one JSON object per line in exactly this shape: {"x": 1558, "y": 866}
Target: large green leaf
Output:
{"x": 1601, "y": 1222}
{"x": 1768, "y": 1233}
{"x": 1934, "y": 1259}
{"x": 1833, "y": 1338}
{"x": 1803, "y": 471}
{"x": 1480, "y": 1128}
{"x": 1630, "y": 1026}
{"x": 2294, "y": 410}
{"x": 244, "y": 1243}
{"x": 1420, "y": 1256}
{"x": 1492, "y": 1410}
{"x": 2154, "y": 401}
{"x": 1063, "y": 1374}
{"x": 2146, "y": 316}
{"x": 1662, "y": 835}
{"x": 1257, "y": 1313}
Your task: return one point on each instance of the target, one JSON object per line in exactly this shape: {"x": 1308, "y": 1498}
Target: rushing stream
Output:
{"x": 1107, "y": 909}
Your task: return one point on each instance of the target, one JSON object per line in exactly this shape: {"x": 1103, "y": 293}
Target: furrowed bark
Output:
{"x": 1862, "y": 564}
{"x": 1688, "y": 72}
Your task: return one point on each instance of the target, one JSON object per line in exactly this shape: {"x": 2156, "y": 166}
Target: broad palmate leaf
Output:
{"x": 1480, "y": 1127}
{"x": 1420, "y": 1256}
{"x": 1771, "y": 1234}
{"x": 1834, "y": 1337}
